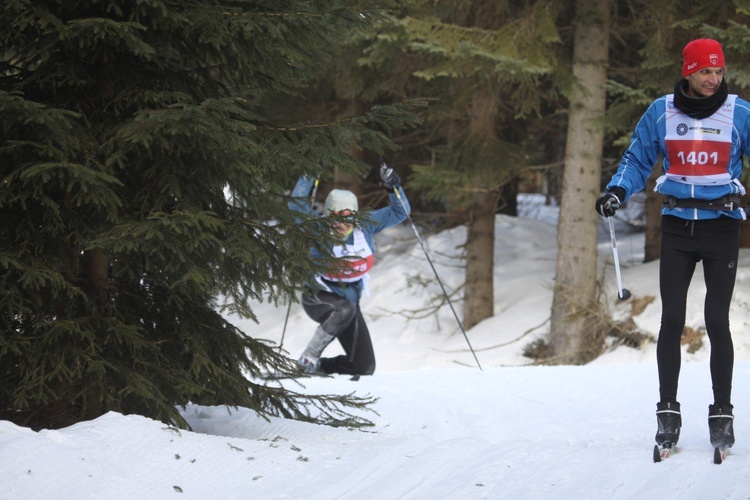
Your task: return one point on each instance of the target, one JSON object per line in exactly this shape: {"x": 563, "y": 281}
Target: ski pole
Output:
{"x": 289, "y": 309}
{"x": 283, "y": 332}
{"x": 419, "y": 239}
{"x": 622, "y": 293}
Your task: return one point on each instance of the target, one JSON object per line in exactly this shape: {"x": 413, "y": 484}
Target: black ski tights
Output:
{"x": 343, "y": 319}
{"x": 685, "y": 243}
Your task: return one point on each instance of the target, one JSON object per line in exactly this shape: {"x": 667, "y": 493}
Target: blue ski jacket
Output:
{"x": 649, "y": 140}
{"x": 377, "y": 221}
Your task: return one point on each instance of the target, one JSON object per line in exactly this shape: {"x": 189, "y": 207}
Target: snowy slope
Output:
{"x": 443, "y": 427}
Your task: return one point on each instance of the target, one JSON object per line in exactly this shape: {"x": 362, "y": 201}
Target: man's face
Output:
{"x": 704, "y": 82}
{"x": 344, "y": 223}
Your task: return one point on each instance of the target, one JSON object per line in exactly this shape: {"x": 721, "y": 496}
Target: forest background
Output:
{"x": 147, "y": 149}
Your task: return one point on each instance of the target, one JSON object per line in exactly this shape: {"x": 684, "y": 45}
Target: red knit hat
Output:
{"x": 701, "y": 53}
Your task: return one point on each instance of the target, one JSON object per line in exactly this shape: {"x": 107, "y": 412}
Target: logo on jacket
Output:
{"x": 682, "y": 129}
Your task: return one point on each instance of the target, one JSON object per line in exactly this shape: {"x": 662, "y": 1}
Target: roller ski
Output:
{"x": 669, "y": 421}
{"x": 721, "y": 430}
{"x": 662, "y": 453}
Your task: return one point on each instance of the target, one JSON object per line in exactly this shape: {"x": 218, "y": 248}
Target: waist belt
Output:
{"x": 340, "y": 284}
{"x": 729, "y": 202}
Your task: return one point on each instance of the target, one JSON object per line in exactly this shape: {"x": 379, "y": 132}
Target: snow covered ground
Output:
{"x": 443, "y": 427}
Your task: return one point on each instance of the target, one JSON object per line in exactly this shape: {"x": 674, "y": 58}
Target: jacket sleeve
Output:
{"x": 639, "y": 159}
{"x": 742, "y": 125}
{"x": 396, "y": 213}
{"x": 300, "y": 201}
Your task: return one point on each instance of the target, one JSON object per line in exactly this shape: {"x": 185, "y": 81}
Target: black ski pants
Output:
{"x": 343, "y": 319}
{"x": 684, "y": 243}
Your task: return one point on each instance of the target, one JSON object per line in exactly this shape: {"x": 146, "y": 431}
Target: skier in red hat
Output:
{"x": 701, "y": 132}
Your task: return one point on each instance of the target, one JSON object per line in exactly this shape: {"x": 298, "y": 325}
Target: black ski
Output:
{"x": 720, "y": 454}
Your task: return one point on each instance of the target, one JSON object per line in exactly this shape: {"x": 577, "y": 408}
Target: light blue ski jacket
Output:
{"x": 648, "y": 141}
{"x": 377, "y": 220}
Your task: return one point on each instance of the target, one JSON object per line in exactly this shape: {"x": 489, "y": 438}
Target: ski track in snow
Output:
{"x": 527, "y": 444}
{"x": 532, "y": 433}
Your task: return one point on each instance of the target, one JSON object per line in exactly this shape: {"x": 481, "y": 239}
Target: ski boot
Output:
{"x": 669, "y": 421}
{"x": 308, "y": 365}
{"x": 721, "y": 429}
{"x": 309, "y": 362}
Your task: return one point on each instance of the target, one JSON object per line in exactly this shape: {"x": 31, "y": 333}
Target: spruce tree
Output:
{"x": 489, "y": 66}
{"x": 140, "y": 181}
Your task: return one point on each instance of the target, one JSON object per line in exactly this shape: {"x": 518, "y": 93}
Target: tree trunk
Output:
{"x": 508, "y": 200}
{"x": 575, "y": 281}
{"x": 479, "y": 298}
{"x": 96, "y": 270}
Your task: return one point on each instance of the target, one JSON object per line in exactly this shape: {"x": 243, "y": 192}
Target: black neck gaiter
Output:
{"x": 699, "y": 107}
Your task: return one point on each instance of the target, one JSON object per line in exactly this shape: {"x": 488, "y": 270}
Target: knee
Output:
{"x": 348, "y": 310}
{"x": 672, "y": 323}
{"x": 717, "y": 325}
{"x": 367, "y": 370}
{"x": 343, "y": 315}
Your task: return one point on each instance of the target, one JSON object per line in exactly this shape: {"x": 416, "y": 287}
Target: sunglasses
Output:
{"x": 343, "y": 216}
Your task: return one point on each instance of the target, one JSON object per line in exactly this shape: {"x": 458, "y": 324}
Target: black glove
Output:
{"x": 608, "y": 204}
{"x": 390, "y": 179}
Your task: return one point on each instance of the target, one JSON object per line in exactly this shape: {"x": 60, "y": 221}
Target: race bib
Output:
{"x": 699, "y": 150}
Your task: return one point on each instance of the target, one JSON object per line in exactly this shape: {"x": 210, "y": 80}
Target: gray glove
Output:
{"x": 390, "y": 179}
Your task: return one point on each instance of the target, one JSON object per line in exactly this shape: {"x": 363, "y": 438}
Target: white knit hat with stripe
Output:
{"x": 339, "y": 200}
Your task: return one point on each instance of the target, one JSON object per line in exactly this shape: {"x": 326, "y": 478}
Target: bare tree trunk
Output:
{"x": 575, "y": 280}
{"x": 96, "y": 270}
{"x": 479, "y": 298}
{"x": 508, "y": 199}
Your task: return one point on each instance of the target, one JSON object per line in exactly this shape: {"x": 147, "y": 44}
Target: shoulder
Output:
{"x": 741, "y": 116}
{"x": 654, "y": 114}
{"x": 661, "y": 104}
{"x": 742, "y": 105}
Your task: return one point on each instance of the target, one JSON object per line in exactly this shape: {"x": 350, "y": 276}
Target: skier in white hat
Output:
{"x": 333, "y": 299}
